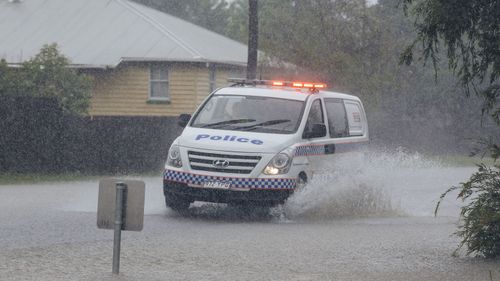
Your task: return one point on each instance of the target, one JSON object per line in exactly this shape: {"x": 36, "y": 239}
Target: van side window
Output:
{"x": 337, "y": 118}
{"x": 354, "y": 118}
{"x": 315, "y": 116}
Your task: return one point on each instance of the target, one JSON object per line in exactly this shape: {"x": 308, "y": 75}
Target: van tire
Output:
{"x": 301, "y": 181}
{"x": 176, "y": 203}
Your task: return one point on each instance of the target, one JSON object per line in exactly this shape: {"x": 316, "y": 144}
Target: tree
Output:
{"x": 480, "y": 228}
{"x": 48, "y": 75}
{"x": 211, "y": 14}
{"x": 7, "y": 78}
{"x": 469, "y": 31}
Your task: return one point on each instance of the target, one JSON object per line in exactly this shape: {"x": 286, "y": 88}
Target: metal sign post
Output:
{"x": 120, "y": 207}
{"x": 121, "y": 189}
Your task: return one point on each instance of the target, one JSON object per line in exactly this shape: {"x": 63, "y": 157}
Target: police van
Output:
{"x": 256, "y": 142}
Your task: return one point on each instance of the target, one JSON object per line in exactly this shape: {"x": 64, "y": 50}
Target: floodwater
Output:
{"x": 380, "y": 183}
{"x": 368, "y": 220}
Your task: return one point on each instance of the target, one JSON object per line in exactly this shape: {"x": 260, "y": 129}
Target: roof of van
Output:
{"x": 280, "y": 92}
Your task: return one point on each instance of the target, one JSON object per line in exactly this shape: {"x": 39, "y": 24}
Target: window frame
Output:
{"x": 159, "y": 67}
{"x": 212, "y": 79}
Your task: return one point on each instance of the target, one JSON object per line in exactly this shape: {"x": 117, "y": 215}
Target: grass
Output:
{"x": 15, "y": 178}
{"x": 462, "y": 160}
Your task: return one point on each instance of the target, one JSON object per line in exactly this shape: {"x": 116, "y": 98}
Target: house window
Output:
{"x": 213, "y": 81}
{"x": 158, "y": 80}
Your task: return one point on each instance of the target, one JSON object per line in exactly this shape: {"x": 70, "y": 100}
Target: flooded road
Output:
{"x": 377, "y": 225}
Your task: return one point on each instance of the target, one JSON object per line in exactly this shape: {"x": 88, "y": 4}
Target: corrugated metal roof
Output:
{"x": 102, "y": 33}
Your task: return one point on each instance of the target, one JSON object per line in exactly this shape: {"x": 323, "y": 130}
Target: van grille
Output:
{"x": 224, "y": 163}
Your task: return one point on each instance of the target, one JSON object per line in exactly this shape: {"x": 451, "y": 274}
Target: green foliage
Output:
{"x": 48, "y": 75}
{"x": 7, "y": 78}
{"x": 469, "y": 32}
{"x": 15, "y": 178}
{"x": 211, "y": 14}
{"x": 338, "y": 41}
{"x": 480, "y": 226}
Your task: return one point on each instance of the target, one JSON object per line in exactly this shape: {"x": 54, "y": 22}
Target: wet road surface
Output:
{"x": 48, "y": 232}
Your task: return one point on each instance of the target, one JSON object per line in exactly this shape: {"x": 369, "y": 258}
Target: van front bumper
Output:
{"x": 253, "y": 197}
{"x": 257, "y": 191}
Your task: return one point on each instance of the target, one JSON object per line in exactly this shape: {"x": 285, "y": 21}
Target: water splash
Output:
{"x": 376, "y": 183}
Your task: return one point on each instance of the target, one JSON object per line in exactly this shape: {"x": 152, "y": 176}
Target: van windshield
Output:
{"x": 250, "y": 113}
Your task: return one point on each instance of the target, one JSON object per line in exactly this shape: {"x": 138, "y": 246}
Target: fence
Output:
{"x": 37, "y": 137}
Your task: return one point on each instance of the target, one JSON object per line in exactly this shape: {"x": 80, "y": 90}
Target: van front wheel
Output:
{"x": 301, "y": 181}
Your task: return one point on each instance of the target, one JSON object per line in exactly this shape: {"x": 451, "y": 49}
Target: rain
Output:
{"x": 276, "y": 140}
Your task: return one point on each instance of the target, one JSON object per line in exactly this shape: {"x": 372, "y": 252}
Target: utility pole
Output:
{"x": 253, "y": 39}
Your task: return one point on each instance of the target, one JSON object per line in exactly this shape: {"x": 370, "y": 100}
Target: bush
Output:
{"x": 480, "y": 226}
{"x": 48, "y": 75}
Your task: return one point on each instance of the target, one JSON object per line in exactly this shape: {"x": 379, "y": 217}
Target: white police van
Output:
{"x": 256, "y": 142}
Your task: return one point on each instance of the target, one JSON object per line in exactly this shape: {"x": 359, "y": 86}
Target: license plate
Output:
{"x": 217, "y": 184}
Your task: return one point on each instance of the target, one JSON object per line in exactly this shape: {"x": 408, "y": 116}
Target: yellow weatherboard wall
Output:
{"x": 124, "y": 91}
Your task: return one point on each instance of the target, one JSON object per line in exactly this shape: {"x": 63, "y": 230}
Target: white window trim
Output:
{"x": 151, "y": 98}
{"x": 212, "y": 83}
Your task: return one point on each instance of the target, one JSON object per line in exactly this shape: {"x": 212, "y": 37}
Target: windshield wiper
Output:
{"x": 228, "y": 122}
{"x": 263, "y": 124}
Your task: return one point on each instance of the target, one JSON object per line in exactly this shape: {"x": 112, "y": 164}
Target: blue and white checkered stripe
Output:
{"x": 305, "y": 150}
{"x": 252, "y": 183}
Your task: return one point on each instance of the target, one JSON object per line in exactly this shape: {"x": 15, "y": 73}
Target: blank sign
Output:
{"x": 133, "y": 204}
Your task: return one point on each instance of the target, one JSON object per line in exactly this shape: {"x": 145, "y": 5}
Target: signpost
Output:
{"x": 120, "y": 207}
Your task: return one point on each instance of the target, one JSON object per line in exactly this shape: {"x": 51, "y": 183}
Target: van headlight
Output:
{"x": 280, "y": 164}
{"x": 174, "y": 157}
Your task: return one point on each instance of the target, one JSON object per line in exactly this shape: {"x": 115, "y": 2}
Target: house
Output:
{"x": 145, "y": 62}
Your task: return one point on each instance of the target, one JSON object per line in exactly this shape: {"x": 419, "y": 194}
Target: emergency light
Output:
{"x": 302, "y": 85}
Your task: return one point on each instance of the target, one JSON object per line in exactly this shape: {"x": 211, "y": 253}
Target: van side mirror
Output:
{"x": 318, "y": 130}
{"x": 183, "y": 119}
